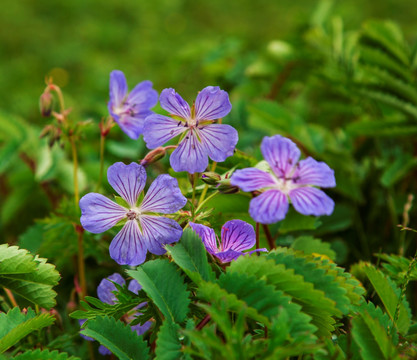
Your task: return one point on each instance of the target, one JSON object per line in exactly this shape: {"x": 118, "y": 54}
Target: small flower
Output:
{"x": 236, "y": 236}
{"x": 290, "y": 179}
{"x": 129, "y": 110}
{"x": 105, "y": 292}
{"x": 144, "y": 230}
{"x": 201, "y": 138}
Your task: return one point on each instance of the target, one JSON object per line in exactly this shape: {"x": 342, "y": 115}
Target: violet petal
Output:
{"x": 159, "y": 129}
{"x": 190, "y": 155}
{"x": 174, "y": 103}
{"x": 164, "y": 196}
{"x": 128, "y": 246}
{"x": 212, "y": 104}
{"x": 251, "y": 179}
{"x": 207, "y": 236}
{"x": 127, "y": 180}
{"x": 105, "y": 288}
{"x": 269, "y": 207}
{"x": 99, "y": 213}
{"x": 237, "y": 235}
{"x": 312, "y": 172}
{"x": 281, "y": 154}
{"x": 219, "y": 141}
{"x": 311, "y": 201}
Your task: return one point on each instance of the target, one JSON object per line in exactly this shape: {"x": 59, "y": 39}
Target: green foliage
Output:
{"x": 15, "y": 325}
{"x": 191, "y": 256}
{"x": 168, "y": 345}
{"x": 389, "y": 296}
{"x": 165, "y": 286}
{"x": 117, "y": 337}
{"x": 28, "y": 276}
{"x": 39, "y": 354}
{"x": 309, "y": 245}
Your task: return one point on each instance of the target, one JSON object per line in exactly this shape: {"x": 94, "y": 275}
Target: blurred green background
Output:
{"x": 175, "y": 43}
{"x": 332, "y": 75}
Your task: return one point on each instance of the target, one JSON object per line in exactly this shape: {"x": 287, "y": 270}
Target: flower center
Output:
{"x": 132, "y": 214}
{"x": 285, "y": 185}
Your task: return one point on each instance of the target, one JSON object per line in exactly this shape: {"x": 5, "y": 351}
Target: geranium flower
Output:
{"x": 144, "y": 230}
{"x": 105, "y": 292}
{"x": 289, "y": 180}
{"x": 202, "y": 138}
{"x": 129, "y": 110}
{"x": 236, "y": 236}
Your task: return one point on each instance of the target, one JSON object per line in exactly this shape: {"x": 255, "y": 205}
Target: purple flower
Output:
{"x": 105, "y": 292}
{"x": 144, "y": 230}
{"x": 289, "y": 180}
{"x": 201, "y": 137}
{"x": 236, "y": 236}
{"x": 129, "y": 110}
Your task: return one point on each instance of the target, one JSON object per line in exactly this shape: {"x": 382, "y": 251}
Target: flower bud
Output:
{"x": 210, "y": 178}
{"x": 45, "y": 103}
{"x": 153, "y": 156}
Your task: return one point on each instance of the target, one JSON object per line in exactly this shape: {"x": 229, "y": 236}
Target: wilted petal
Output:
{"x": 128, "y": 246}
{"x": 252, "y": 179}
{"x": 105, "y": 288}
{"x": 127, "y": 180}
{"x": 131, "y": 126}
{"x": 134, "y": 286}
{"x": 281, "y": 154}
{"x": 312, "y": 172}
{"x": 311, "y": 201}
{"x": 237, "y": 235}
{"x": 164, "y": 196}
{"x": 269, "y": 207}
{"x": 219, "y": 141}
{"x": 99, "y": 213}
{"x": 159, "y": 231}
{"x": 118, "y": 87}
{"x": 212, "y": 103}
{"x": 142, "y": 96}
{"x": 174, "y": 103}
{"x": 189, "y": 156}
{"x": 228, "y": 255}
{"x": 207, "y": 236}
{"x": 159, "y": 129}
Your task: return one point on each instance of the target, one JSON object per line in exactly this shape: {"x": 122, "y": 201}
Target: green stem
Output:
{"x": 102, "y": 140}
{"x": 204, "y": 192}
{"x": 75, "y": 163}
{"x": 257, "y": 236}
{"x": 209, "y": 198}
{"x": 193, "y": 184}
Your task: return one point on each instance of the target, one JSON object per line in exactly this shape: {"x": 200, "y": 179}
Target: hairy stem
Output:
{"x": 81, "y": 265}
{"x": 203, "y": 322}
{"x": 206, "y": 200}
{"x": 75, "y": 164}
{"x": 11, "y": 297}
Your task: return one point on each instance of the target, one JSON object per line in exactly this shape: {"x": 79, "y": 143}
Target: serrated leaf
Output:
{"x": 310, "y": 245}
{"x": 28, "y": 276}
{"x": 15, "y": 325}
{"x": 388, "y": 296}
{"x": 168, "y": 345}
{"x": 117, "y": 337}
{"x": 38, "y": 354}
{"x": 372, "y": 339}
{"x": 191, "y": 256}
{"x": 163, "y": 283}
{"x": 312, "y": 301}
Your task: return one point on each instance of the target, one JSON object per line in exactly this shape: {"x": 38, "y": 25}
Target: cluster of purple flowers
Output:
{"x": 147, "y": 226}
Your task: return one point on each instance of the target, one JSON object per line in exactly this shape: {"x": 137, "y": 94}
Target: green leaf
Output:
{"x": 310, "y": 245}
{"x": 118, "y": 337}
{"x": 28, "y": 276}
{"x": 388, "y": 296}
{"x": 313, "y": 302}
{"x": 38, "y": 354}
{"x": 400, "y": 167}
{"x": 372, "y": 338}
{"x": 191, "y": 256}
{"x": 163, "y": 283}
{"x": 168, "y": 345}
{"x": 295, "y": 221}
{"x": 15, "y": 325}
